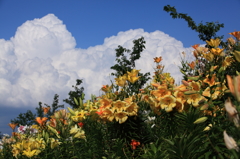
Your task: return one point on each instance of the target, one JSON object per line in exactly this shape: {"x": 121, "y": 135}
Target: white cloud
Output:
{"x": 42, "y": 59}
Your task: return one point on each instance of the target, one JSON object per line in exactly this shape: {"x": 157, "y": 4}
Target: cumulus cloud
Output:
{"x": 42, "y": 60}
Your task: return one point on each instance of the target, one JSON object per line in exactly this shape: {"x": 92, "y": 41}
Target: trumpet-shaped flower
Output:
{"x": 79, "y": 116}
{"x": 13, "y": 125}
{"x": 29, "y": 153}
{"x": 214, "y": 42}
{"x": 121, "y": 117}
{"x": 119, "y": 106}
{"x": 41, "y": 120}
{"x": 217, "y": 51}
{"x": 208, "y": 56}
{"x": 211, "y": 81}
{"x": 161, "y": 91}
{"x": 157, "y": 59}
{"x": 132, "y": 109}
{"x": 121, "y": 80}
{"x": 168, "y": 102}
{"x": 108, "y": 114}
{"x": 194, "y": 99}
{"x": 236, "y": 34}
{"x": 195, "y": 86}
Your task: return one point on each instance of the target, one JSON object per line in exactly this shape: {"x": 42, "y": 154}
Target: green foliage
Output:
{"x": 206, "y": 31}
{"x": 29, "y": 117}
{"x": 25, "y": 118}
{"x": 78, "y": 92}
{"x": 126, "y": 63}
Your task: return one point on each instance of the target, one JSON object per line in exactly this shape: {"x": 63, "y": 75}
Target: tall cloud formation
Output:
{"x": 42, "y": 60}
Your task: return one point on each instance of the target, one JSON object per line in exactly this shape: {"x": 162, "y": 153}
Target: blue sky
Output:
{"x": 45, "y": 45}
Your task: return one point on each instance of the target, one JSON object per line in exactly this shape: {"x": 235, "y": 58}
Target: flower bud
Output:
{"x": 200, "y": 120}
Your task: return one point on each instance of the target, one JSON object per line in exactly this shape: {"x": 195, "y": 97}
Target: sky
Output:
{"x": 45, "y": 45}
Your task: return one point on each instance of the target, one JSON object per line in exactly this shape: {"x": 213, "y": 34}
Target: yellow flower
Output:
{"x": 194, "y": 99}
{"x": 161, "y": 91}
{"x": 227, "y": 61}
{"x": 208, "y": 56}
{"x": 133, "y": 79}
{"x": 119, "y": 106}
{"x": 214, "y": 42}
{"x": 132, "y": 109}
{"x": 77, "y": 132}
{"x": 108, "y": 114}
{"x": 121, "y": 117}
{"x": 54, "y": 143}
{"x": 29, "y": 153}
{"x": 195, "y": 85}
{"x": 180, "y": 96}
{"x": 217, "y": 51}
{"x": 168, "y": 103}
{"x": 79, "y": 116}
{"x": 121, "y": 80}
{"x": 133, "y": 73}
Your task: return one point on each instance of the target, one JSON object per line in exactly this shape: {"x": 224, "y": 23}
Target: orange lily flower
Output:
{"x": 13, "y": 125}
{"x": 157, "y": 59}
{"x": 236, "y": 34}
{"x": 41, "y": 121}
{"x": 192, "y": 64}
{"x": 134, "y": 144}
{"x": 195, "y": 46}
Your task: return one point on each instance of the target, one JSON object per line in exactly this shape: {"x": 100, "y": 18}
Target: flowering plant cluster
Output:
{"x": 157, "y": 120}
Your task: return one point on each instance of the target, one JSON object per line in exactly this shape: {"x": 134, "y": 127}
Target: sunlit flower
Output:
{"x": 179, "y": 105}
{"x": 121, "y": 80}
{"x": 132, "y": 109}
{"x": 105, "y": 103}
{"x": 227, "y": 61}
{"x": 77, "y": 132}
{"x": 196, "y": 86}
{"x": 121, "y": 117}
{"x": 133, "y": 79}
{"x": 211, "y": 81}
{"x": 180, "y": 96}
{"x": 119, "y": 105}
{"x": 168, "y": 102}
{"x": 236, "y": 34}
{"x": 134, "y": 144}
{"x": 194, "y": 99}
{"x": 29, "y": 153}
{"x": 230, "y": 142}
{"x": 195, "y": 46}
{"x": 214, "y": 42}
{"x": 133, "y": 73}
{"x": 217, "y": 51}
{"x": 208, "y": 56}
{"x": 157, "y": 59}
{"x": 108, "y": 114}
{"x": 161, "y": 91}
{"x": 41, "y": 120}
{"x": 79, "y": 116}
